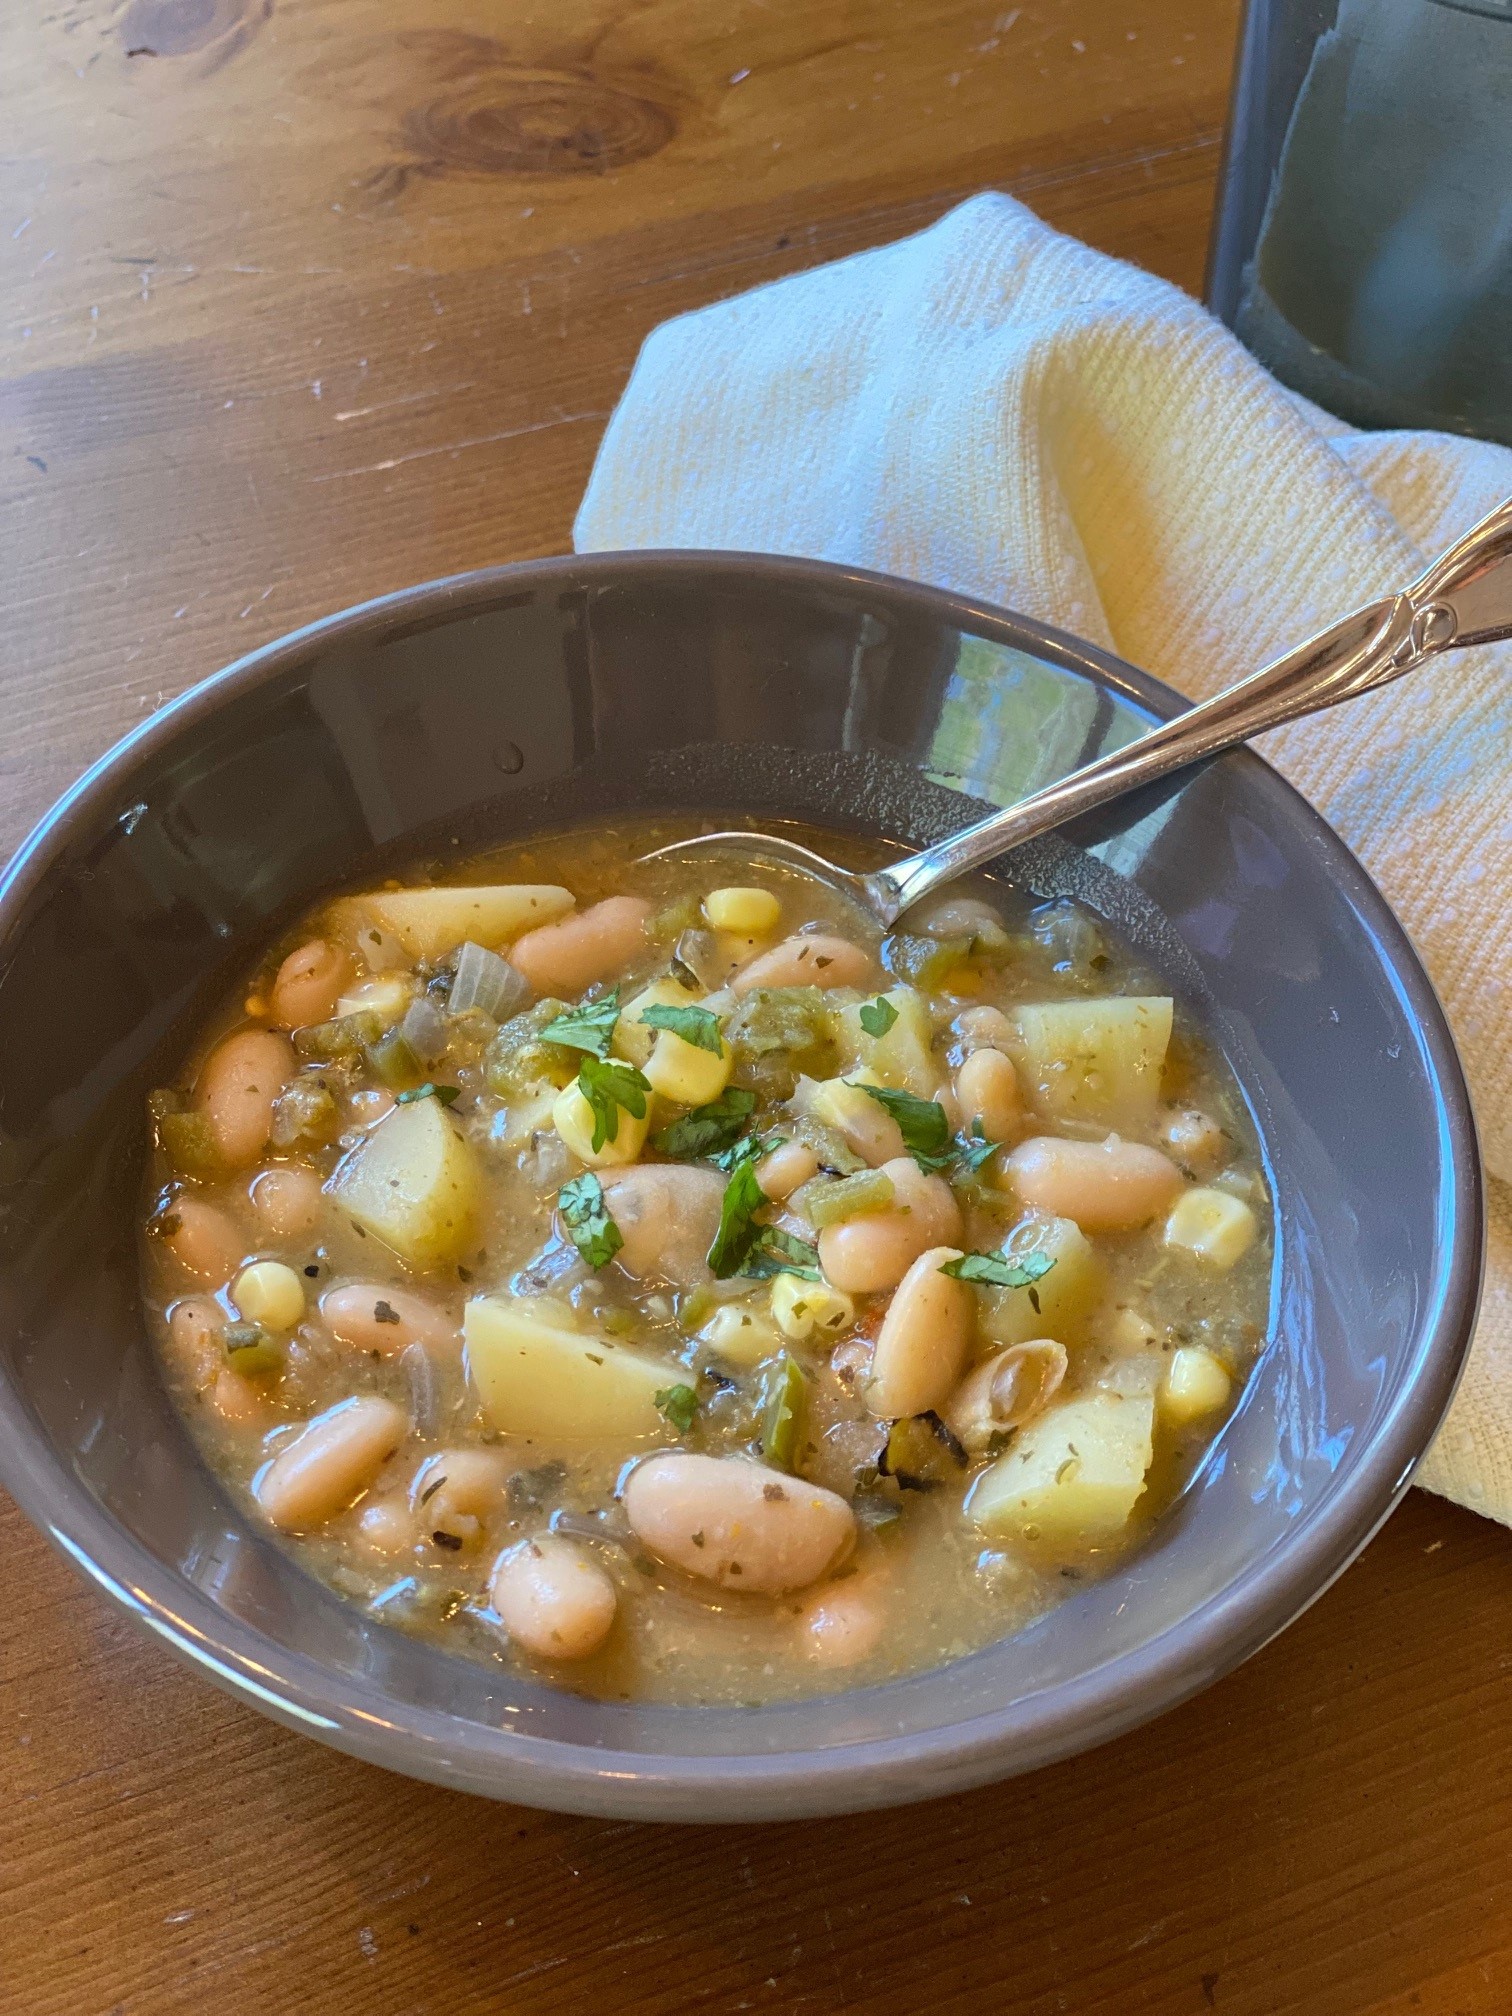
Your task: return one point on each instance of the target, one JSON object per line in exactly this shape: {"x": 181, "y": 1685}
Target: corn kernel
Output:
{"x": 572, "y": 1117}
{"x": 739, "y": 1336}
{"x": 1212, "y": 1225}
{"x": 802, "y": 1307}
{"x": 751, "y": 913}
{"x": 269, "y": 1293}
{"x": 632, "y": 1039}
{"x": 1195, "y": 1384}
{"x": 686, "y": 1073}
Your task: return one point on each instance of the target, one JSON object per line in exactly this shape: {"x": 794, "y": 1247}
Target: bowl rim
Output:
{"x": 1017, "y": 1735}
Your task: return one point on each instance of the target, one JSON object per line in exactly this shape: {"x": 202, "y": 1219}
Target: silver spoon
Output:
{"x": 1464, "y": 598}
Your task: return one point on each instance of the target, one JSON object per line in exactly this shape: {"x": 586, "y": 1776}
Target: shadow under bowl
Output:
{"x": 462, "y": 713}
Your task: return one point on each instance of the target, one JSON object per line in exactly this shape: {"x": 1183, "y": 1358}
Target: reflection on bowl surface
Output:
{"x": 472, "y": 713}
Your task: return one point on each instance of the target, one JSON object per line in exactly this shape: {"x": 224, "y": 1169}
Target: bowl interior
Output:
{"x": 452, "y": 716}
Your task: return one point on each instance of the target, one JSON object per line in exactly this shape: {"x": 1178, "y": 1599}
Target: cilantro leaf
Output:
{"x": 749, "y": 1148}
{"x": 694, "y": 1025}
{"x": 589, "y": 1027}
{"x": 878, "y": 1016}
{"x": 922, "y": 1123}
{"x": 707, "y": 1130}
{"x": 679, "y": 1404}
{"x": 996, "y": 1270}
{"x": 447, "y": 1094}
{"x": 607, "y": 1084}
{"x": 973, "y": 1150}
{"x": 778, "y": 1252}
{"x": 586, "y": 1220}
{"x": 738, "y": 1231}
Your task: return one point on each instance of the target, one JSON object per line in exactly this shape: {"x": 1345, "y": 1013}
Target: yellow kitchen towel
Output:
{"x": 1001, "y": 410}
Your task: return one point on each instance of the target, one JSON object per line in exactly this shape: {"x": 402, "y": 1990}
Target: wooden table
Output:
{"x": 304, "y": 301}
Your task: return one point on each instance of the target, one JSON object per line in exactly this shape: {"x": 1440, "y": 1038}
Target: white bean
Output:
{"x": 668, "y": 1214}
{"x": 842, "y": 1623}
{"x": 780, "y": 1173}
{"x": 1196, "y": 1140}
{"x": 737, "y": 1523}
{"x": 1004, "y": 1392}
{"x": 238, "y": 1083}
{"x": 924, "y": 1340}
{"x": 1104, "y": 1186}
{"x": 552, "y": 1598}
{"x": 566, "y": 957}
{"x": 370, "y": 1316}
{"x": 202, "y": 1238}
{"x": 456, "y": 1492}
{"x": 194, "y": 1331}
{"x": 288, "y": 1201}
{"x": 333, "y": 1458}
{"x": 309, "y": 984}
{"x": 386, "y": 1525}
{"x": 987, "y": 1088}
{"x": 809, "y": 959}
{"x": 865, "y": 1255}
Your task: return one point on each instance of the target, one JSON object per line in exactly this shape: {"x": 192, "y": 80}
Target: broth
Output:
{"x": 991, "y": 1257}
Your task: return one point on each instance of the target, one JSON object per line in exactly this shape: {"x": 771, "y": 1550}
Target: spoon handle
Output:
{"x": 1464, "y": 598}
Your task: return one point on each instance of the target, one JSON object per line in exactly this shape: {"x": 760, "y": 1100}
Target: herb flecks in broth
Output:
{"x": 672, "y": 1284}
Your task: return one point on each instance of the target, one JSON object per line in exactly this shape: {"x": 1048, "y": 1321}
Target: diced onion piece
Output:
{"x": 485, "y": 981}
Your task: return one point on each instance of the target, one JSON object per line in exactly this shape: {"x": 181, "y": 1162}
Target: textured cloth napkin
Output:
{"x": 1000, "y": 410}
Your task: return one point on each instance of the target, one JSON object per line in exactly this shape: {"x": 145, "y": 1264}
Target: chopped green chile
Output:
{"x": 518, "y": 1057}
{"x": 251, "y": 1351}
{"x": 924, "y": 962}
{"x": 393, "y": 1062}
{"x": 921, "y": 1453}
{"x": 785, "y": 1412}
{"x": 549, "y": 1317}
{"x": 347, "y": 1037}
{"x": 186, "y": 1137}
{"x": 305, "y": 1110}
{"x": 828, "y": 1200}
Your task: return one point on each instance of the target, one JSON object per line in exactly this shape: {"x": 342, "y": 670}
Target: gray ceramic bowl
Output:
{"x": 496, "y": 703}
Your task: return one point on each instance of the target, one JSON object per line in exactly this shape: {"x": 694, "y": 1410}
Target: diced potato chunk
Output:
{"x": 414, "y": 1184}
{"x": 1196, "y": 1384}
{"x": 536, "y": 1377}
{"x": 1060, "y": 1302}
{"x": 900, "y": 1058}
{"x": 572, "y": 1117}
{"x": 428, "y": 922}
{"x": 1097, "y": 1060}
{"x": 632, "y": 1039}
{"x": 1213, "y": 1225}
{"x": 1074, "y": 1474}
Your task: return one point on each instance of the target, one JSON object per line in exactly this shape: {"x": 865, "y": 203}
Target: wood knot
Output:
{"x": 214, "y": 29}
{"x": 511, "y": 121}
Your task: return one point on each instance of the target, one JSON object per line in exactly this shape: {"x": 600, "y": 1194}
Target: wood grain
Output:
{"x": 303, "y": 301}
